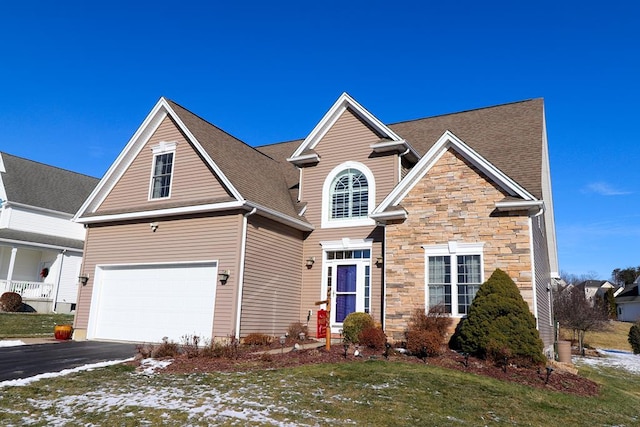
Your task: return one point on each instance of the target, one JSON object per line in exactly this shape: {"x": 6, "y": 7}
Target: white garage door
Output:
{"x": 146, "y": 303}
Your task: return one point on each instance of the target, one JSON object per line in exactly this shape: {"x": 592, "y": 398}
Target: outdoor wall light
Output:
{"x": 154, "y": 226}
{"x": 379, "y": 260}
{"x": 310, "y": 261}
{"x": 83, "y": 280}
{"x": 223, "y": 276}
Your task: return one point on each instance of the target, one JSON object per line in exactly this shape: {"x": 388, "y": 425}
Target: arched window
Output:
{"x": 349, "y": 195}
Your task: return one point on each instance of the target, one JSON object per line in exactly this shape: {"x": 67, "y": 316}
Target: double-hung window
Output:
{"x": 161, "y": 174}
{"x": 454, "y": 273}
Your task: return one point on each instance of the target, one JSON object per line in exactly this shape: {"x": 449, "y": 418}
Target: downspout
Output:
{"x": 243, "y": 247}
{"x": 533, "y": 266}
{"x": 55, "y": 294}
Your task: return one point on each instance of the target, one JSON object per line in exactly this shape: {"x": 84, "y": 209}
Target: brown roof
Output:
{"x": 509, "y": 136}
{"x": 256, "y": 176}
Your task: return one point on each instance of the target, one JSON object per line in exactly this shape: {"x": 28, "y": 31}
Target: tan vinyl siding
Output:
{"x": 196, "y": 238}
{"x": 348, "y": 140}
{"x": 542, "y": 281}
{"x": 192, "y": 179}
{"x": 312, "y": 278}
{"x": 272, "y": 278}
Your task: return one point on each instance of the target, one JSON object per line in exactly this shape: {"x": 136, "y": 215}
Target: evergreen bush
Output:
{"x": 355, "y": 323}
{"x": 634, "y": 337}
{"x": 500, "y": 319}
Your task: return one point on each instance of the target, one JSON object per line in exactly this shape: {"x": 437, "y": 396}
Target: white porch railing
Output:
{"x": 27, "y": 289}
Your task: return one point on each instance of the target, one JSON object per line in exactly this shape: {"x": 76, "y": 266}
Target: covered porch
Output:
{"x": 45, "y": 275}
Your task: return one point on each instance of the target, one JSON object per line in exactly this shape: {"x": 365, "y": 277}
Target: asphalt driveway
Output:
{"x": 29, "y": 360}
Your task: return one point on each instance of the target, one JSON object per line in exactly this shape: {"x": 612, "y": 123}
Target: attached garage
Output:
{"x": 144, "y": 303}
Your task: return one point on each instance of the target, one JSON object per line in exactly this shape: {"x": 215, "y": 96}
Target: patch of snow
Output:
{"x": 25, "y": 381}
{"x": 612, "y": 359}
{"x": 149, "y": 366}
{"x": 11, "y": 343}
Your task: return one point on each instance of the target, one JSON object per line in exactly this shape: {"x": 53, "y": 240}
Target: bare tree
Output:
{"x": 573, "y": 311}
{"x": 574, "y": 279}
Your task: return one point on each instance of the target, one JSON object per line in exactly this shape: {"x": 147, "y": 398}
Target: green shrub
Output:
{"x": 355, "y": 323}
{"x": 10, "y": 302}
{"x": 499, "y": 320}
{"x": 634, "y": 337}
{"x": 372, "y": 337}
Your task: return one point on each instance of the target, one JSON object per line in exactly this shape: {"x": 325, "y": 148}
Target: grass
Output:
{"x": 615, "y": 337}
{"x": 29, "y": 325}
{"x": 373, "y": 393}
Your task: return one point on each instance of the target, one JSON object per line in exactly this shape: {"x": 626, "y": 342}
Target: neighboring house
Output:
{"x": 40, "y": 247}
{"x": 384, "y": 219}
{"x": 596, "y": 289}
{"x": 628, "y": 303}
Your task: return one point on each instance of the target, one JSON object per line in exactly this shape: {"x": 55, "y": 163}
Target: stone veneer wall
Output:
{"x": 454, "y": 201}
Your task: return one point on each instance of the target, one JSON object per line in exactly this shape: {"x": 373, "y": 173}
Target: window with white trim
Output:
{"x": 454, "y": 273}
{"x": 162, "y": 171}
{"x": 349, "y": 195}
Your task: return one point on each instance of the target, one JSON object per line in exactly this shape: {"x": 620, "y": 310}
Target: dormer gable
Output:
{"x": 389, "y": 141}
{"x": 517, "y": 198}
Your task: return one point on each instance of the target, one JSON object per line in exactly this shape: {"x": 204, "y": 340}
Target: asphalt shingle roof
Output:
{"x": 509, "y": 136}
{"x": 36, "y": 184}
{"x": 256, "y": 176}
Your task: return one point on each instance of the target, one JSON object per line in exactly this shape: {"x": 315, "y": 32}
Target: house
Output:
{"x": 596, "y": 289}
{"x": 192, "y": 231}
{"x": 40, "y": 247}
{"x": 628, "y": 303}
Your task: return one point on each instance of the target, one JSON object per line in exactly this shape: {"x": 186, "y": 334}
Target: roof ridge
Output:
{"x": 465, "y": 111}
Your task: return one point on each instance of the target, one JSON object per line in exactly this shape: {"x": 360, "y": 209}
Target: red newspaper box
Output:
{"x": 321, "y": 327}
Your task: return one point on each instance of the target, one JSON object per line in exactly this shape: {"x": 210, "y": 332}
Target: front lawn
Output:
{"x": 30, "y": 325}
{"x": 371, "y": 393}
{"x": 614, "y": 337}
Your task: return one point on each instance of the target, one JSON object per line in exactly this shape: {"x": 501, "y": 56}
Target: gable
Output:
{"x": 192, "y": 180}
{"x": 516, "y": 197}
{"x": 510, "y": 136}
{"x": 456, "y": 186}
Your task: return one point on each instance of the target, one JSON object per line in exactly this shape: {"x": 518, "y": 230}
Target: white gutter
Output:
{"x": 24, "y": 244}
{"x": 213, "y": 207}
{"x": 390, "y": 215}
{"x": 7, "y": 203}
{"x": 243, "y": 247}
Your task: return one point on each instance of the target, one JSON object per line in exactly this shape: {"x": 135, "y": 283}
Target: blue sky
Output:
{"x": 78, "y": 78}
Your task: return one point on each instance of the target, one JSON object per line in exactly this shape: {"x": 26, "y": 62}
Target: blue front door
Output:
{"x": 345, "y": 291}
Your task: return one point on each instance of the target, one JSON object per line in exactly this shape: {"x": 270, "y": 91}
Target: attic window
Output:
{"x": 163, "y": 157}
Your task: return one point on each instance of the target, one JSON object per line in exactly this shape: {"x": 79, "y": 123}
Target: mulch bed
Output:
{"x": 256, "y": 359}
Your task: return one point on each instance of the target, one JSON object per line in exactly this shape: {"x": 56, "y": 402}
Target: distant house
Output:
{"x": 40, "y": 247}
{"x": 192, "y": 231}
{"x": 594, "y": 289}
{"x": 628, "y": 303}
